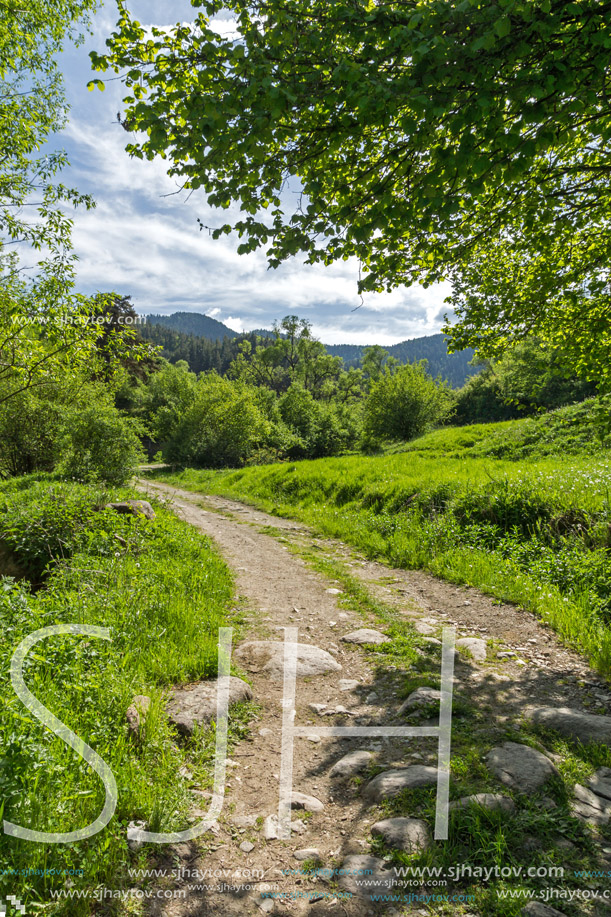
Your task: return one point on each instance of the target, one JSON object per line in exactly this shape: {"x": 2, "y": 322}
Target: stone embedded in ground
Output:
{"x": 307, "y": 853}
{"x": 303, "y": 801}
{"x": 133, "y": 508}
{"x": 365, "y": 635}
{"x": 520, "y": 767}
{"x": 494, "y": 802}
{"x": 563, "y": 843}
{"x": 573, "y": 724}
{"x": 243, "y": 821}
{"x": 365, "y": 876}
{"x": 423, "y": 628}
{"x": 352, "y": 763}
{"x": 536, "y": 909}
{"x": 348, "y": 684}
{"x": 589, "y": 807}
{"x": 600, "y": 782}
{"x": 270, "y": 827}
{"x": 196, "y": 706}
{"x": 183, "y": 851}
{"x": 475, "y": 647}
{"x": 260, "y": 656}
{"x": 419, "y": 698}
{"x": 339, "y": 710}
{"x": 136, "y": 715}
{"x": 409, "y": 834}
{"x": 318, "y": 708}
{"x": 391, "y": 783}
{"x": 246, "y": 847}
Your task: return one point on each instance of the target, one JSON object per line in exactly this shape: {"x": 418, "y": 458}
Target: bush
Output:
{"x": 223, "y": 426}
{"x": 403, "y": 404}
{"x": 527, "y": 379}
{"x": 168, "y": 395}
{"x": 101, "y": 445}
{"x": 30, "y": 433}
{"x": 321, "y": 428}
{"x": 42, "y": 524}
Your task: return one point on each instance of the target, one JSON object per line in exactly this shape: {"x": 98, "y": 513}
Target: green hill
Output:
{"x": 194, "y": 323}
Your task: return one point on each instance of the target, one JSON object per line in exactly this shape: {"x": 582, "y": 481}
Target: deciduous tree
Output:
{"x": 421, "y": 136}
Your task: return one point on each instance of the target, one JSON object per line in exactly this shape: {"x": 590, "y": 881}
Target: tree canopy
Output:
{"x": 293, "y": 356}
{"x": 47, "y": 332}
{"x": 32, "y": 108}
{"x": 418, "y": 135}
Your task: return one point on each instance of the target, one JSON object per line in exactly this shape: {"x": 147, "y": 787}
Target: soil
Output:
{"x": 278, "y": 590}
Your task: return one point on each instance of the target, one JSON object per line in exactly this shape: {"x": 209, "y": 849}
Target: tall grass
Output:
{"x": 163, "y": 591}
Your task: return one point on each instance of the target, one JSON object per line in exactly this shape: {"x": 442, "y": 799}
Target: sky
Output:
{"x": 143, "y": 240}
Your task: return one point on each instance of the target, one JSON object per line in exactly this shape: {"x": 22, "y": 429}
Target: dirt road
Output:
{"x": 524, "y": 664}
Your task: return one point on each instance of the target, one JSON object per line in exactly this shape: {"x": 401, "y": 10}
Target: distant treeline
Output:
{"x": 200, "y": 353}
{"x": 208, "y": 344}
{"x": 453, "y": 367}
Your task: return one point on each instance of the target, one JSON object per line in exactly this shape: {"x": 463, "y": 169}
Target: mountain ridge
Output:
{"x": 455, "y": 368}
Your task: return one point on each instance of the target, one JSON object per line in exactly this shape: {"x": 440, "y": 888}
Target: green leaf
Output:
{"x": 502, "y": 27}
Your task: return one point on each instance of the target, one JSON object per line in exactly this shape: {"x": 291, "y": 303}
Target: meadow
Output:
{"x": 519, "y": 509}
{"x": 163, "y": 591}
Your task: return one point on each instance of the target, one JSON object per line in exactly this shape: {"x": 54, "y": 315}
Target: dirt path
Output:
{"x": 280, "y": 590}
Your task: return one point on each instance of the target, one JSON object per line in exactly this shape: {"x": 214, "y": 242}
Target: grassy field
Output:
{"x": 520, "y": 509}
{"x": 163, "y": 591}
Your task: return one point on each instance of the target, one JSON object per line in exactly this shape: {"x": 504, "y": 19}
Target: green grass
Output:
{"x": 541, "y": 833}
{"x": 573, "y": 430}
{"x": 534, "y": 531}
{"x": 163, "y": 591}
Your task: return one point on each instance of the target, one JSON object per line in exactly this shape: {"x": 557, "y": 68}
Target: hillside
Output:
{"x": 454, "y": 368}
{"x": 194, "y": 323}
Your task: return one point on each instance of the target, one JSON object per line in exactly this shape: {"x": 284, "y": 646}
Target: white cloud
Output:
{"x": 143, "y": 238}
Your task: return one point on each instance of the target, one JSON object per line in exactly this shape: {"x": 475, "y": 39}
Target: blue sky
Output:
{"x": 143, "y": 240}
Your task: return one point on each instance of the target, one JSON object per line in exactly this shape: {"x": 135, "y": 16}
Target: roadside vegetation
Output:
{"x": 163, "y": 591}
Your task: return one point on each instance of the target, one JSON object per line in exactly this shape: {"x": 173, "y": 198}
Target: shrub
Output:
{"x": 30, "y": 433}
{"x": 321, "y": 428}
{"x": 223, "y": 426}
{"x": 168, "y": 395}
{"x": 41, "y": 523}
{"x": 403, "y": 404}
{"x": 528, "y": 378}
{"x": 101, "y": 445}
